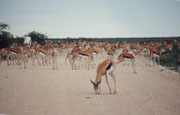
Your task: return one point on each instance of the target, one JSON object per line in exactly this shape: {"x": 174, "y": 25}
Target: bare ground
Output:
{"x": 39, "y": 90}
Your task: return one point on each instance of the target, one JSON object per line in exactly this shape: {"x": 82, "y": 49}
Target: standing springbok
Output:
{"x": 107, "y": 66}
{"x": 3, "y": 53}
{"x": 54, "y": 55}
{"x": 42, "y": 53}
{"x": 24, "y": 56}
{"x": 14, "y": 55}
{"x": 155, "y": 54}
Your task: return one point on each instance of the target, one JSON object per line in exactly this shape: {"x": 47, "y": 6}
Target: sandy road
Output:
{"x": 40, "y": 90}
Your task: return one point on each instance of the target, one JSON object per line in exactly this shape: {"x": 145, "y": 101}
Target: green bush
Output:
{"x": 6, "y": 38}
{"x": 169, "y": 58}
{"x": 37, "y": 36}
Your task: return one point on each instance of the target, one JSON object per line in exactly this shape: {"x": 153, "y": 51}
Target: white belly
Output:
{"x": 14, "y": 53}
{"x": 42, "y": 54}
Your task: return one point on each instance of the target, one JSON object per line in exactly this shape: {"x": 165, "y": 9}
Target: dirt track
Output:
{"x": 40, "y": 90}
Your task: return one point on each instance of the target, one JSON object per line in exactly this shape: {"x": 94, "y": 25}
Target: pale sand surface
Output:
{"x": 39, "y": 90}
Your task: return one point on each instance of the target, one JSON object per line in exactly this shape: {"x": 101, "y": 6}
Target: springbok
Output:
{"x": 68, "y": 56}
{"x": 122, "y": 56}
{"x": 3, "y": 53}
{"x": 82, "y": 53}
{"x": 14, "y": 55}
{"x": 40, "y": 52}
{"x": 136, "y": 53}
{"x": 110, "y": 52}
{"x": 54, "y": 55}
{"x": 107, "y": 66}
{"x": 24, "y": 56}
{"x": 155, "y": 54}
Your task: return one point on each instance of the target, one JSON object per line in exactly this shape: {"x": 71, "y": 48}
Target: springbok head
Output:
{"x": 96, "y": 88}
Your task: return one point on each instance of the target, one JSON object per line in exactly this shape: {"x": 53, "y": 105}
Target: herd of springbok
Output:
{"x": 83, "y": 54}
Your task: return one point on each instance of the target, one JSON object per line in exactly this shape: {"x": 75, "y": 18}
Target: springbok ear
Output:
{"x": 98, "y": 82}
{"x": 92, "y": 82}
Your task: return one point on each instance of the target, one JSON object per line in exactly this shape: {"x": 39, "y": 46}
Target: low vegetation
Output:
{"x": 169, "y": 58}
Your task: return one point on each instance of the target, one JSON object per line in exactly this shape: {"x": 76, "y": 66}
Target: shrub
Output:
{"x": 169, "y": 58}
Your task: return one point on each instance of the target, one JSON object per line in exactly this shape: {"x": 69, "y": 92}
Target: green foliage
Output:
{"x": 169, "y": 58}
{"x": 37, "y": 36}
{"x": 19, "y": 40}
{"x": 6, "y": 38}
{"x": 69, "y": 40}
{"x": 84, "y": 39}
{"x": 115, "y": 40}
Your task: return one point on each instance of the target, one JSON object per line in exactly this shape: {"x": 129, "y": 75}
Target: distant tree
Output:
{"x": 19, "y": 40}
{"x": 3, "y": 26}
{"x": 6, "y": 38}
{"x": 68, "y": 39}
{"x": 37, "y": 36}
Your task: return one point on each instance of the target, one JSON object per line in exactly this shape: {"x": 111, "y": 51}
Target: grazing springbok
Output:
{"x": 110, "y": 52}
{"x": 95, "y": 51}
{"x": 107, "y": 66}
{"x": 78, "y": 53}
{"x": 82, "y": 53}
{"x": 122, "y": 57}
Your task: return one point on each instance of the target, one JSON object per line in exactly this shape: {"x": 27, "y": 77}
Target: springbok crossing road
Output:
{"x": 39, "y": 90}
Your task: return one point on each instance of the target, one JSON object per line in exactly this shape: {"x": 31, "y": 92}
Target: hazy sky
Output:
{"x": 92, "y": 18}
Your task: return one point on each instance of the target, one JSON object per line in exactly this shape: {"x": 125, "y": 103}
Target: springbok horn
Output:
{"x": 92, "y": 82}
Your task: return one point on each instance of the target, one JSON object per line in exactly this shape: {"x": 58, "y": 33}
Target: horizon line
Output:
{"x": 110, "y": 37}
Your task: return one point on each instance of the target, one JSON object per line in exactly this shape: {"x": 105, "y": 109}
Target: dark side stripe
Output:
{"x": 83, "y": 54}
{"x": 109, "y": 66}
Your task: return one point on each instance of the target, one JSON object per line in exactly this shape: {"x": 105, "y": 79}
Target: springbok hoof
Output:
{"x": 114, "y": 92}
